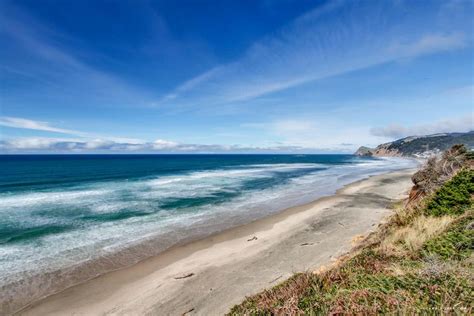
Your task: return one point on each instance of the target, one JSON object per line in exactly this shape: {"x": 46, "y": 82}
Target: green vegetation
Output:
{"x": 454, "y": 197}
{"x": 419, "y": 262}
{"x": 441, "y": 142}
{"x": 456, "y": 243}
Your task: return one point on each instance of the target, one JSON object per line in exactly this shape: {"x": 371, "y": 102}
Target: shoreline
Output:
{"x": 158, "y": 281}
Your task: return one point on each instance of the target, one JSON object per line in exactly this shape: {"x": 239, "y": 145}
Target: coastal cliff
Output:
{"x": 419, "y": 146}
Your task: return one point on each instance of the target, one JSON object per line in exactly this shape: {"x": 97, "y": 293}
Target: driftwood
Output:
{"x": 184, "y": 276}
{"x": 189, "y": 311}
{"x": 253, "y": 238}
{"x": 275, "y": 279}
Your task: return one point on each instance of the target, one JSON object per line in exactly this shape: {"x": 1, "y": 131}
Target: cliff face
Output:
{"x": 419, "y": 146}
{"x": 383, "y": 150}
{"x": 364, "y": 151}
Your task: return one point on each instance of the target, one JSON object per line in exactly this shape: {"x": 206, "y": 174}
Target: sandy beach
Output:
{"x": 209, "y": 276}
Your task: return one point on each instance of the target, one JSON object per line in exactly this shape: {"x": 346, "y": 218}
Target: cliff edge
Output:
{"x": 419, "y": 146}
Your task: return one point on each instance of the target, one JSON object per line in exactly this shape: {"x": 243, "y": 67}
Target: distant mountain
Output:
{"x": 419, "y": 146}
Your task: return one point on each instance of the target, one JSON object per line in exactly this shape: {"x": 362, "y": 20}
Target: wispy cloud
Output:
{"x": 429, "y": 43}
{"x": 23, "y": 123}
{"x": 50, "y": 61}
{"x": 311, "y": 48}
{"x": 188, "y": 85}
{"x": 17, "y": 122}
{"x": 461, "y": 124}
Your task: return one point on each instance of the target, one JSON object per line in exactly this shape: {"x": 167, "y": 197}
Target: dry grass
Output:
{"x": 412, "y": 237}
{"x": 403, "y": 215}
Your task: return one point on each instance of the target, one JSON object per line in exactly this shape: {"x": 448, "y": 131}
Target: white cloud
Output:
{"x": 28, "y": 143}
{"x": 97, "y": 144}
{"x": 17, "y": 122}
{"x": 83, "y": 142}
{"x": 462, "y": 124}
{"x": 70, "y": 145}
{"x": 163, "y": 144}
{"x": 37, "y": 143}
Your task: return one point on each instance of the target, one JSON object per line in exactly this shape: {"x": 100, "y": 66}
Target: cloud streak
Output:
{"x": 16, "y": 122}
{"x": 311, "y": 48}
{"x": 22, "y": 123}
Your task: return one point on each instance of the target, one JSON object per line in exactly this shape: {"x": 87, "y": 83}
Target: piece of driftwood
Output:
{"x": 185, "y": 276}
{"x": 189, "y": 311}
{"x": 275, "y": 279}
{"x": 253, "y": 238}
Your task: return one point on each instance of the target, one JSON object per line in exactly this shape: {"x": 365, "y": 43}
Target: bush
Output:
{"x": 456, "y": 243}
{"x": 454, "y": 197}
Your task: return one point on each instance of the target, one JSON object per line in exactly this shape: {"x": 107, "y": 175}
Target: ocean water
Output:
{"x": 67, "y": 218}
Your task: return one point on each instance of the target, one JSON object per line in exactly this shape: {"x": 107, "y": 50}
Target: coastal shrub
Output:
{"x": 454, "y": 197}
{"x": 457, "y": 243}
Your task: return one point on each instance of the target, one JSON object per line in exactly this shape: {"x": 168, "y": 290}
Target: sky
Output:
{"x": 246, "y": 76}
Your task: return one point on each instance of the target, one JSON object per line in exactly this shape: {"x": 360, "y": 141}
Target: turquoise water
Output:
{"x": 69, "y": 218}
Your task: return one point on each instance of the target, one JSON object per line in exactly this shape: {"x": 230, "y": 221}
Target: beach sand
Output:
{"x": 209, "y": 276}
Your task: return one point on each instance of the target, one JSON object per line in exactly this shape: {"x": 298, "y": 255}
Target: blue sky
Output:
{"x": 231, "y": 76}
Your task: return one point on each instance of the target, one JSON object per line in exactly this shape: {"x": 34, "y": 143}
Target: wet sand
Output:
{"x": 209, "y": 276}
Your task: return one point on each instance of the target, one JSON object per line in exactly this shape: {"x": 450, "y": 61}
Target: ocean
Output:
{"x": 68, "y": 218}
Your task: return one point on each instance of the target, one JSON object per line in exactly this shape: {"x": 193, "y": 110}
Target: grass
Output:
{"x": 410, "y": 238}
{"x": 419, "y": 262}
{"x": 402, "y": 215}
